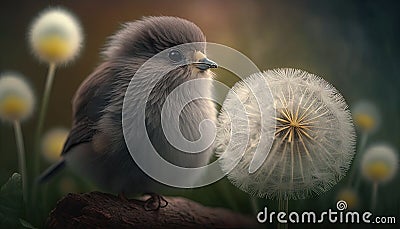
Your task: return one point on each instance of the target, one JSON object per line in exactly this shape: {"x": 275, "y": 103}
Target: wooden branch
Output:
{"x": 101, "y": 210}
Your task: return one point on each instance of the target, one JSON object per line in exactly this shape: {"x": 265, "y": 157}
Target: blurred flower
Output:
{"x": 53, "y": 143}
{"x": 314, "y": 135}
{"x": 56, "y": 36}
{"x": 379, "y": 163}
{"x": 16, "y": 98}
{"x": 366, "y": 116}
{"x": 350, "y": 196}
{"x": 16, "y": 104}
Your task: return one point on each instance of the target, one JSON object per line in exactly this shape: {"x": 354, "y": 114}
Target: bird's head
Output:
{"x": 141, "y": 40}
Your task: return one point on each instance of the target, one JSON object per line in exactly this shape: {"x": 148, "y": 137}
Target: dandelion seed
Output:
{"x": 379, "y": 164}
{"x": 56, "y": 36}
{"x": 53, "y": 142}
{"x": 314, "y": 136}
{"x": 366, "y": 116}
{"x": 16, "y": 104}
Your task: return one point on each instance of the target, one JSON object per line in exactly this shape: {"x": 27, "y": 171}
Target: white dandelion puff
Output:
{"x": 367, "y": 117}
{"x": 379, "y": 163}
{"x": 56, "y": 36}
{"x": 314, "y": 135}
{"x": 17, "y": 100}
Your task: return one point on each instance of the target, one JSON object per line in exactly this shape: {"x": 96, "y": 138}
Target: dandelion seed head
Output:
{"x": 17, "y": 100}
{"x": 366, "y": 116}
{"x": 314, "y": 135}
{"x": 53, "y": 143}
{"x": 56, "y": 36}
{"x": 379, "y": 163}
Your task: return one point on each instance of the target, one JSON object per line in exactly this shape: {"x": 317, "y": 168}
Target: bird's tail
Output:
{"x": 51, "y": 171}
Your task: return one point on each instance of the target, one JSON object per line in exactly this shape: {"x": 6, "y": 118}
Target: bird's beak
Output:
{"x": 202, "y": 62}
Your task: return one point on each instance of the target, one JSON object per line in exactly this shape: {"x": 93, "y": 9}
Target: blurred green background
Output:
{"x": 352, "y": 44}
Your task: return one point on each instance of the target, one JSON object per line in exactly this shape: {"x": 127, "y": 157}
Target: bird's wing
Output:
{"x": 49, "y": 172}
{"x": 80, "y": 133}
{"x": 88, "y": 105}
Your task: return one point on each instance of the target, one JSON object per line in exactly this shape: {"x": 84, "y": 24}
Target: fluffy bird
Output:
{"x": 95, "y": 147}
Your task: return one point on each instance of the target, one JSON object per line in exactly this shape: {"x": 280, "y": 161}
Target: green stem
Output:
{"x": 363, "y": 142}
{"x": 39, "y": 129}
{"x": 283, "y": 206}
{"x": 21, "y": 158}
{"x": 374, "y": 195}
{"x": 287, "y": 212}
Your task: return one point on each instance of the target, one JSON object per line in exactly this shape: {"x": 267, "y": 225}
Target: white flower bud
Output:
{"x": 379, "y": 163}
{"x": 366, "y": 116}
{"x": 56, "y": 36}
{"x": 17, "y": 100}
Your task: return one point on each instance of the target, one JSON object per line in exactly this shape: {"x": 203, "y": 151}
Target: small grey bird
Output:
{"x": 95, "y": 147}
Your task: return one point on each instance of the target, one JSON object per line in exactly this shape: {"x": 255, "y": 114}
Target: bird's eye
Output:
{"x": 175, "y": 55}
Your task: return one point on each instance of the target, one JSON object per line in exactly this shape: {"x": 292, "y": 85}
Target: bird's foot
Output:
{"x": 155, "y": 202}
{"x": 135, "y": 202}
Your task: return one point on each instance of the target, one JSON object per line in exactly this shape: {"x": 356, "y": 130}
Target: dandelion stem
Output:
{"x": 286, "y": 211}
{"x": 42, "y": 116}
{"x": 374, "y": 195}
{"x": 283, "y": 206}
{"x": 363, "y": 143}
{"x": 21, "y": 158}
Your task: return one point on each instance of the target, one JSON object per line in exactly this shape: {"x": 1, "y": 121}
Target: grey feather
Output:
{"x": 95, "y": 147}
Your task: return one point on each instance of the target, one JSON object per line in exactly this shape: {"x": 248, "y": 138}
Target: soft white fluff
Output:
{"x": 12, "y": 84}
{"x": 380, "y": 153}
{"x": 297, "y": 166}
{"x": 366, "y": 109}
{"x": 59, "y": 22}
